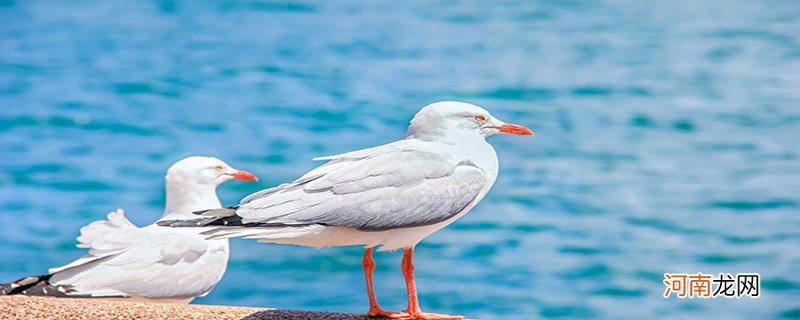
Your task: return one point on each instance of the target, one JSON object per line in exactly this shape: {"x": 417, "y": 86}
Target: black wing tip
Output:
{"x": 34, "y": 285}
{"x": 165, "y": 223}
{"x": 231, "y": 210}
{"x": 202, "y": 211}
{"x": 229, "y": 221}
{"x": 233, "y": 220}
{"x": 181, "y": 223}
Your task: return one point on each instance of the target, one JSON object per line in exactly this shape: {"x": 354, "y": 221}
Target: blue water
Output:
{"x": 667, "y": 140}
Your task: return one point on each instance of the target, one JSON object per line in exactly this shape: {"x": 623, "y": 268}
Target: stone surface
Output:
{"x": 44, "y": 308}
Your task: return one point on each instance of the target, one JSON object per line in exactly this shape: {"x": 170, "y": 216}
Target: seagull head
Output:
{"x": 456, "y": 120}
{"x": 206, "y": 170}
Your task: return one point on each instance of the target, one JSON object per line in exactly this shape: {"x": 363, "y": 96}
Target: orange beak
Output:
{"x": 244, "y": 175}
{"x": 514, "y": 129}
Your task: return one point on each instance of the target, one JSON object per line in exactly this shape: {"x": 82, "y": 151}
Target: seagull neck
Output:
{"x": 451, "y": 137}
{"x": 184, "y": 197}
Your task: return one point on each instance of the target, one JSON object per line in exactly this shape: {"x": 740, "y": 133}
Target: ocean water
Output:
{"x": 668, "y": 136}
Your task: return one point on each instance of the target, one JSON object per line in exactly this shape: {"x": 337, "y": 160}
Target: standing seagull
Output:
{"x": 390, "y": 196}
{"x": 151, "y": 263}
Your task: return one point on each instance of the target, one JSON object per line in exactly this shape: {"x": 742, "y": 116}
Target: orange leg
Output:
{"x": 411, "y": 287}
{"x": 414, "y": 311}
{"x": 374, "y": 309}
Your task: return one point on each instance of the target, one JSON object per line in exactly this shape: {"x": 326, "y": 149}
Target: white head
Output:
{"x": 455, "y": 120}
{"x": 206, "y": 170}
{"x": 192, "y": 184}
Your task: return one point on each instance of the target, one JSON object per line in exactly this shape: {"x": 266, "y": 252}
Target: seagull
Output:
{"x": 151, "y": 263}
{"x": 390, "y": 196}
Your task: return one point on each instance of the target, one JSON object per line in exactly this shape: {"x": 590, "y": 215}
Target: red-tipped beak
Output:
{"x": 514, "y": 129}
{"x": 244, "y": 175}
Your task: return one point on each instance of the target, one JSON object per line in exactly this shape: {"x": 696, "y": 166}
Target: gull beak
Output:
{"x": 514, "y": 129}
{"x": 243, "y": 175}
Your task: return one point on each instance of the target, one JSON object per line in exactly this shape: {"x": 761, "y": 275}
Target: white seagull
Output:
{"x": 390, "y": 196}
{"x": 151, "y": 263}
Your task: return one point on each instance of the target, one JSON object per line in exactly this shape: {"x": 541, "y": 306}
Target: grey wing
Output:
{"x": 395, "y": 189}
{"x": 262, "y": 193}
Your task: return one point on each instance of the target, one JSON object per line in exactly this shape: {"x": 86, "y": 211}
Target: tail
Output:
{"x": 35, "y": 286}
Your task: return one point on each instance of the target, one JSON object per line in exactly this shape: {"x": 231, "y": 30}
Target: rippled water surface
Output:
{"x": 667, "y": 140}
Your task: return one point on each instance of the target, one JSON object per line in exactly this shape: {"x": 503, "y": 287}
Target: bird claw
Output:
{"x": 414, "y": 316}
{"x": 378, "y": 312}
{"x": 432, "y": 316}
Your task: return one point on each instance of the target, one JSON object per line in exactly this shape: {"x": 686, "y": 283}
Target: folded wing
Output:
{"x": 125, "y": 260}
{"x": 387, "y": 187}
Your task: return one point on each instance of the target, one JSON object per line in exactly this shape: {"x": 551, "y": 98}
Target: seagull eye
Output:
{"x": 218, "y": 168}
{"x": 480, "y": 118}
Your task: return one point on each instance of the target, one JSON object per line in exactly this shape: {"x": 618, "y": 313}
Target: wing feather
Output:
{"x": 103, "y": 238}
{"x": 125, "y": 260}
{"x": 387, "y": 187}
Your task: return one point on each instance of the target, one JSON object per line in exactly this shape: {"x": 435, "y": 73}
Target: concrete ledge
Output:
{"x": 25, "y": 307}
